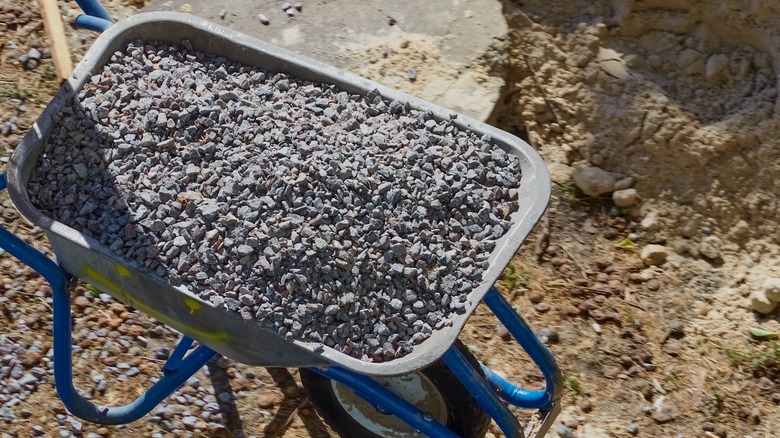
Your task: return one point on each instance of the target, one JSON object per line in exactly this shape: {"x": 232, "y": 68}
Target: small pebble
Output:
{"x": 548, "y": 335}
{"x": 263, "y": 19}
{"x": 503, "y": 333}
{"x": 34, "y": 53}
{"x": 564, "y": 432}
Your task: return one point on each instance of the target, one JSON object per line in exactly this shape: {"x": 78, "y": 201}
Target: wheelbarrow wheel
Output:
{"x": 435, "y": 390}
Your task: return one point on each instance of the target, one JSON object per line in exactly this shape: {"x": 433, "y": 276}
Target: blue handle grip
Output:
{"x": 95, "y": 9}
{"x": 93, "y": 23}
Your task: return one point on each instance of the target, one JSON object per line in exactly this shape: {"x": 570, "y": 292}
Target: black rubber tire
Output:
{"x": 464, "y": 415}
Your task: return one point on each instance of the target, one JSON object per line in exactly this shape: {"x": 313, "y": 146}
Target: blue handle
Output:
{"x": 95, "y": 9}
{"x": 95, "y": 17}
{"x": 96, "y": 24}
{"x": 535, "y": 349}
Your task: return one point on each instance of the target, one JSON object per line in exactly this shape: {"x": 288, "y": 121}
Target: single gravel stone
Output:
{"x": 34, "y": 53}
{"x": 761, "y": 303}
{"x": 593, "y": 181}
{"x": 653, "y": 254}
{"x": 548, "y": 335}
{"x": 564, "y": 432}
{"x": 350, "y": 221}
{"x": 715, "y": 66}
{"x": 625, "y": 197}
{"x": 710, "y": 247}
{"x": 664, "y": 410}
{"x": 771, "y": 288}
{"x": 650, "y": 222}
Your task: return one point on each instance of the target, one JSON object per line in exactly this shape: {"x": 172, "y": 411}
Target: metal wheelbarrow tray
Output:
{"x": 221, "y": 330}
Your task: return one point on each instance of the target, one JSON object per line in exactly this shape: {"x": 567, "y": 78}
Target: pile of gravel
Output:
{"x": 349, "y": 220}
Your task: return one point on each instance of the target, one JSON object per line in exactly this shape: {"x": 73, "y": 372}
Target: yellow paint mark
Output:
{"x": 124, "y": 272}
{"x": 109, "y": 285}
{"x": 192, "y": 304}
{"x": 104, "y": 281}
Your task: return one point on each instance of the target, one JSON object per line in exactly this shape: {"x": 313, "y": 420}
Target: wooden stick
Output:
{"x": 55, "y": 31}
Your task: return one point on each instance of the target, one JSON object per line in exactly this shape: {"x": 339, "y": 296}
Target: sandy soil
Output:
{"x": 678, "y": 96}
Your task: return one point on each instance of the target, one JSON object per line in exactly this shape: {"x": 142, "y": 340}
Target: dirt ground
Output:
{"x": 676, "y": 98}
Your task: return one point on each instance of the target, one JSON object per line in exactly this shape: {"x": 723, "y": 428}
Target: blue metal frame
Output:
{"x": 482, "y": 392}
{"x": 93, "y": 8}
{"x": 536, "y": 350}
{"x": 491, "y": 391}
{"x": 95, "y": 24}
{"x": 176, "y": 370}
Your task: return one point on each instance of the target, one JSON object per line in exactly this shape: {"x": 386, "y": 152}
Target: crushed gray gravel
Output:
{"x": 353, "y": 221}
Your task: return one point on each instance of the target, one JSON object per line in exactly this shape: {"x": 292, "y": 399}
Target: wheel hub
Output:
{"x": 415, "y": 388}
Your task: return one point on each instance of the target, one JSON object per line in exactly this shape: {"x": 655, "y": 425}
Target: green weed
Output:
{"x": 672, "y": 382}
{"x": 759, "y": 360}
{"x": 48, "y": 73}
{"x": 715, "y": 406}
{"x": 516, "y": 280}
{"x": 574, "y": 386}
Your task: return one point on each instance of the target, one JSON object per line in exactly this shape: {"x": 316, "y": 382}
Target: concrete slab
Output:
{"x": 432, "y": 49}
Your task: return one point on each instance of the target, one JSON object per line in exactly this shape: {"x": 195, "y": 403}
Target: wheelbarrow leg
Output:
{"x": 490, "y": 390}
{"x": 176, "y": 371}
{"x": 483, "y": 393}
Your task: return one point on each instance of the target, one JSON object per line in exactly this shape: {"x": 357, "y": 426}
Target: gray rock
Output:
{"x": 625, "y": 197}
{"x": 761, "y": 303}
{"x": 564, "y": 432}
{"x": 81, "y": 170}
{"x": 771, "y": 288}
{"x": 34, "y": 53}
{"x": 710, "y": 247}
{"x": 715, "y": 67}
{"x": 593, "y": 181}
{"x": 664, "y": 410}
{"x": 548, "y": 334}
{"x": 653, "y": 254}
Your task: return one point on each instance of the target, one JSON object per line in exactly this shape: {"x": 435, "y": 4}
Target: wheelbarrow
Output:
{"x": 438, "y": 390}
